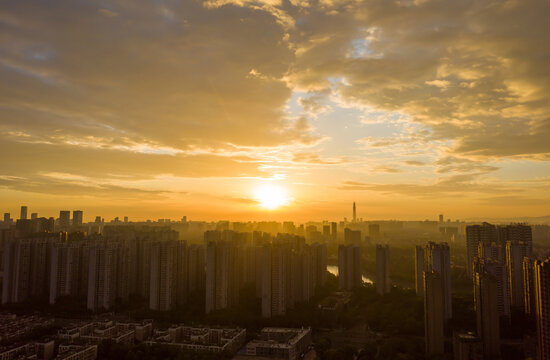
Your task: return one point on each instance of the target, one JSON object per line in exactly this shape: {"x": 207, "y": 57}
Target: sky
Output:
{"x": 160, "y": 109}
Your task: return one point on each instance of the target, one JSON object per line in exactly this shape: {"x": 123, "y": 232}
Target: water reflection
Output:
{"x": 334, "y": 271}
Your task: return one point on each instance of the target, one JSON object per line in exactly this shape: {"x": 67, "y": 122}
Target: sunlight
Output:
{"x": 271, "y": 196}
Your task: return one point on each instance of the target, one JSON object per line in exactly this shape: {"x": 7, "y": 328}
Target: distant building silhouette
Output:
{"x": 102, "y": 276}
{"x": 486, "y": 296}
{"x": 276, "y": 271}
{"x": 349, "y": 266}
{"x": 437, "y": 258}
{"x": 67, "y": 270}
{"x": 164, "y": 274}
{"x": 516, "y": 252}
{"x": 77, "y": 218}
{"x": 23, "y": 215}
{"x": 434, "y": 313}
{"x": 383, "y": 282}
{"x": 352, "y": 237}
{"x": 221, "y": 278}
{"x": 64, "y": 219}
{"x": 499, "y": 273}
{"x": 374, "y": 232}
{"x": 26, "y": 269}
{"x": 475, "y": 235}
{"x": 326, "y": 231}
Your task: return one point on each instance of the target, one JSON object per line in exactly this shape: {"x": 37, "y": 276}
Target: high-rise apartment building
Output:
{"x": 195, "y": 266}
{"x": 301, "y": 276}
{"x": 222, "y": 285}
{"x": 318, "y": 264}
{"x": 434, "y": 313}
{"x": 476, "y": 234}
{"x": 275, "y": 285}
{"x": 64, "y": 219}
{"x": 26, "y": 269}
{"x": 383, "y": 282}
{"x": 499, "y": 273}
{"x": 23, "y": 215}
{"x": 437, "y": 258}
{"x": 516, "y": 251}
{"x": 334, "y": 231}
{"x": 542, "y": 307}
{"x": 374, "y": 232}
{"x": 16, "y": 279}
{"x": 326, "y": 231}
{"x": 349, "y": 267}
{"x": 77, "y": 217}
{"x": 487, "y": 312}
{"x": 163, "y": 274}
{"x": 529, "y": 304}
{"x": 354, "y": 212}
{"x": 419, "y": 267}
{"x": 66, "y": 270}
{"x": 518, "y": 234}
{"x": 102, "y": 267}
{"x": 352, "y": 237}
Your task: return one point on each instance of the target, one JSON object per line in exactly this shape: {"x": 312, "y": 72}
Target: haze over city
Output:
{"x": 158, "y": 109}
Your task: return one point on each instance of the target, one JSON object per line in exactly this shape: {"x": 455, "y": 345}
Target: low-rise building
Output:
{"x": 200, "y": 339}
{"x": 280, "y": 343}
{"x": 142, "y": 330}
{"x": 77, "y": 352}
{"x": 39, "y": 350}
{"x": 12, "y": 327}
{"x": 95, "y": 332}
{"x": 73, "y": 332}
{"x": 19, "y": 351}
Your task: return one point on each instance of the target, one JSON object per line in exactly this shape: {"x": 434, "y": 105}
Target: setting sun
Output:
{"x": 271, "y": 196}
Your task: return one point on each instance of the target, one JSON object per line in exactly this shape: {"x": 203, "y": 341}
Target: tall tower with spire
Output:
{"x": 354, "y": 213}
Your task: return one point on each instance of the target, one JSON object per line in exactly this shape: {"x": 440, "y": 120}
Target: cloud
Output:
{"x": 81, "y": 187}
{"x": 107, "y": 12}
{"x": 446, "y": 186}
{"x": 313, "y": 104}
{"x": 496, "y": 100}
{"x": 387, "y": 169}
{"x": 176, "y": 83}
{"x": 188, "y": 89}
{"x": 34, "y": 158}
{"x": 414, "y": 163}
{"x": 462, "y": 165}
{"x": 311, "y": 158}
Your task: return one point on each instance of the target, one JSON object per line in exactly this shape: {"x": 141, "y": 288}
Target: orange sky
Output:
{"x": 164, "y": 109}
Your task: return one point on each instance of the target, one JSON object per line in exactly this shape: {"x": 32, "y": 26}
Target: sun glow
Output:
{"x": 271, "y": 196}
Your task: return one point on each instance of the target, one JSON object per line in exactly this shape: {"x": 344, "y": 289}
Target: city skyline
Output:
{"x": 65, "y": 217}
{"x": 410, "y": 108}
{"x": 275, "y": 179}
